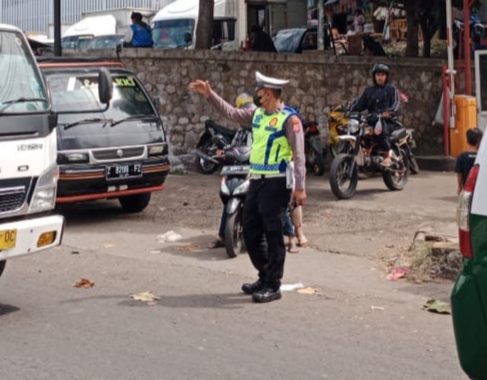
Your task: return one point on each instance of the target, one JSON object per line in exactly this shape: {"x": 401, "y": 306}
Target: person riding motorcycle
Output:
{"x": 241, "y": 143}
{"x": 381, "y": 99}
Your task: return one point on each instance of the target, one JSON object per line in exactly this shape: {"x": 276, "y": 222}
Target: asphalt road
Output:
{"x": 358, "y": 326}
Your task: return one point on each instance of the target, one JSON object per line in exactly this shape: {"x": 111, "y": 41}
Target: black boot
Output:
{"x": 251, "y": 288}
{"x": 266, "y": 295}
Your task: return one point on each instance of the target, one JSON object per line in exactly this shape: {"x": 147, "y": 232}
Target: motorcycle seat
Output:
{"x": 220, "y": 128}
{"x": 398, "y": 134}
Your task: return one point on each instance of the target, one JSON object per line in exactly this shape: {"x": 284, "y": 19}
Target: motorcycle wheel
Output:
{"x": 234, "y": 243}
{"x": 317, "y": 162}
{"x": 342, "y": 183}
{"x": 204, "y": 166}
{"x": 396, "y": 176}
{"x": 2, "y": 266}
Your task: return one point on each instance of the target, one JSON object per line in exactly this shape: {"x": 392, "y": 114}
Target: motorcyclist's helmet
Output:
{"x": 244, "y": 101}
{"x": 380, "y": 68}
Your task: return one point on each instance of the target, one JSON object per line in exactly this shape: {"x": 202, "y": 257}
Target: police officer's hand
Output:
{"x": 386, "y": 114}
{"x": 201, "y": 87}
{"x": 299, "y": 197}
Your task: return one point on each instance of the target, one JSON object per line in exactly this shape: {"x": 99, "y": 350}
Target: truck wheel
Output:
{"x": 2, "y": 266}
{"x": 135, "y": 203}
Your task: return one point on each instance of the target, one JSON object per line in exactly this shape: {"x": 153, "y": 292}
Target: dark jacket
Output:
{"x": 378, "y": 99}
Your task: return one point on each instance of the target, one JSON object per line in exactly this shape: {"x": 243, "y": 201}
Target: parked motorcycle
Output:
{"x": 362, "y": 151}
{"x": 214, "y": 139}
{"x": 313, "y": 148}
{"x": 234, "y": 186}
{"x": 337, "y": 126}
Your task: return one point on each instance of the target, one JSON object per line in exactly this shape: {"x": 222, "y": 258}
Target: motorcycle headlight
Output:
{"x": 243, "y": 188}
{"x": 224, "y": 188}
{"x": 44, "y": 197}
{"x": 353, "y": 126}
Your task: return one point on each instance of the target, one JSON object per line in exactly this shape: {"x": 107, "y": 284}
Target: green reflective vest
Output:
{"x": 271, "y": 151}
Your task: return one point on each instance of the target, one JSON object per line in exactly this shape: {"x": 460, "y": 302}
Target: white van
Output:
{"x": 174, "y": 26}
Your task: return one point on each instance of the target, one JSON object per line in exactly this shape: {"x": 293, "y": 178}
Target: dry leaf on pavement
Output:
{"x": 308, "y": 290}
{"x": 84, "y": 283}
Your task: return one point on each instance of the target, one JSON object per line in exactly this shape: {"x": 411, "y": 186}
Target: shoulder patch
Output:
{"x": 296, "y": 123}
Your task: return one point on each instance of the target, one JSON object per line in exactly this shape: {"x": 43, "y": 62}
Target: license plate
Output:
{"x": 8, "y": 238}
{"x": 124, "y": 171}
{"x": 235, "y": 170}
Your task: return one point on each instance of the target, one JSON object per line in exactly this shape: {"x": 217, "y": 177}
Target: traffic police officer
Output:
{"x": 277, "y": 158}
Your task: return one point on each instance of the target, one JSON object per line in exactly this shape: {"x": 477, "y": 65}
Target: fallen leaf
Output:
{"x": 436, "y": 306}
{"x": 145, "y": 297}
{"x": 84, "y": 283}
{"x": 308, "y": 290}
{"x": 75, "y": 252}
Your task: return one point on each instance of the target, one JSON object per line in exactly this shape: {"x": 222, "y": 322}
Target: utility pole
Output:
{"x": 321, "y": 25}
{"x": 451, "y": 63}
{"x": 57, "y": 28}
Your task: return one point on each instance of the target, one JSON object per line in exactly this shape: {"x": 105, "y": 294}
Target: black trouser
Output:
{"x": 264, "y": 207}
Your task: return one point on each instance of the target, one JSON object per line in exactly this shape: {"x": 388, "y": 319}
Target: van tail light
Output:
{"x": 463, "y": 213}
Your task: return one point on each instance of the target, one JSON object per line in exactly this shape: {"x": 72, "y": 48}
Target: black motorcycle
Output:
{"x": 233, "y": 190}
{"x": 215, "y": 139}
{"x": 361, "y": 150}
{"x": 313, "y": 148}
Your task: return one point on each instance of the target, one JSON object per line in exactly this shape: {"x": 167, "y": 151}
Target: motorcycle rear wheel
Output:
{"x": 340, "y": 175}
{"x": 2, "y": 266}
{"x": 204, "y": 166}
{"x": 234, "y": 243}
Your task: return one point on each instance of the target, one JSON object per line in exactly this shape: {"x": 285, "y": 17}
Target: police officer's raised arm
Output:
{"x": 240, "y": 116}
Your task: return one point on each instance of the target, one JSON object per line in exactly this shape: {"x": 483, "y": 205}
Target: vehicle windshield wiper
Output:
{"x": 133, "y": 117}
{"x": 9, "y": 103}
{"x": 88, "y": 121}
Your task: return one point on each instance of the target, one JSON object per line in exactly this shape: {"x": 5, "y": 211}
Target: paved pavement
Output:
{"x": 359, "y": 325}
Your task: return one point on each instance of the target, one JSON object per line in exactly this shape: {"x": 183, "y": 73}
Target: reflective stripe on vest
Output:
{"x": 271, "y": 151}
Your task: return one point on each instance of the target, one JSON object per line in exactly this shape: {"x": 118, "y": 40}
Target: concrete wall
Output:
{"x": 318, "y": 82}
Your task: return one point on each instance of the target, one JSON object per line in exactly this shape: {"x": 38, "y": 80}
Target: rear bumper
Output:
{"x": 79, "y": 183}
{"x": 470, "y": 326}
{"x": 28, "y": 232}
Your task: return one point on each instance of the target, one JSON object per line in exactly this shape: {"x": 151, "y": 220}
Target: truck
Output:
{"x": 28, "y": 153}
{"x": 174, "y": 26}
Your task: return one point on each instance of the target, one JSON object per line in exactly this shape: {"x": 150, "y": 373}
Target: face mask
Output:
{"x": 257, "y": 100}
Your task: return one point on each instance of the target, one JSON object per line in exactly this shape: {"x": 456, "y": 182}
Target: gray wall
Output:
{"x": 317, "y": 83}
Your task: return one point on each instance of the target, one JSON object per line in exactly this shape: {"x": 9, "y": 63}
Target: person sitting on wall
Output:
{"x": 140, "y": 34}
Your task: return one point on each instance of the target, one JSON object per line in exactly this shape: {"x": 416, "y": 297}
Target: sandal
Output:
{"x": 218, "y": 243}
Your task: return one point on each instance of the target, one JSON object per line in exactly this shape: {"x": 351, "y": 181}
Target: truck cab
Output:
{"x": 120, "y": 151}
{"x": 28, "y": 168}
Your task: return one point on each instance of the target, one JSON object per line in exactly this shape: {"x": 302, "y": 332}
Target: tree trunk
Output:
{"x": 204, "y": 29}
{"x": 412, "y": 47}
